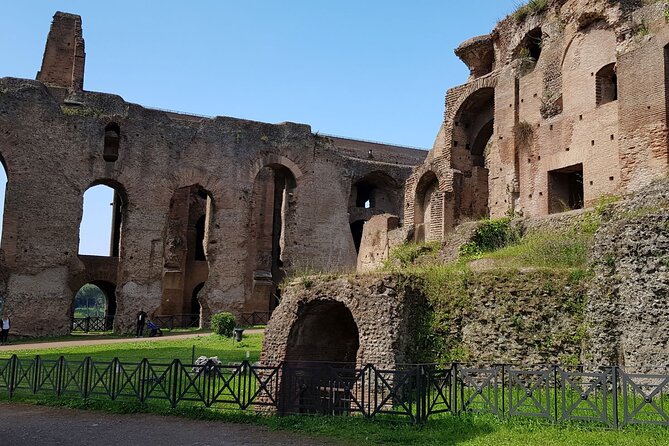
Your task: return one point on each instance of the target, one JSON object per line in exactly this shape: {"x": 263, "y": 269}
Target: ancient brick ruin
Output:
{"x": 561, "y": 108}
{"x": 209, "y": 213}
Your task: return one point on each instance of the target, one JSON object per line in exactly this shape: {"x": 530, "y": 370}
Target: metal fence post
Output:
{"x": 454, "y": 389}
{"x": 59, "y": 380}
{"x": 503, "y": 393}
{"x": 614, "y": 390}
{"x": 555, "y": 392}
{"x": 175, "y": 382}
{"x": 35, "y": 380}
{"x": 419, "y": 394}
{"x": 12, "y": 375}
{"x": 87, "y": 366}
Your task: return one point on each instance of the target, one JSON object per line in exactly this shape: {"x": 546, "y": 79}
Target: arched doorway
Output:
{"x": 270, "y": 233}
{"x": 322, "y": 348}
{"x": 427, "y": 187}
{"x": 472, "y": 137}
{"x": 356, "y": 231}
{"x": 185, "y": 267}
{"x": 94, "y": 307}
{"x": 103, "y": 209}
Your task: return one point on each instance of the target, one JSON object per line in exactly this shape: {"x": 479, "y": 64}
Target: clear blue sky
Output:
{"x": 373, "y": 69}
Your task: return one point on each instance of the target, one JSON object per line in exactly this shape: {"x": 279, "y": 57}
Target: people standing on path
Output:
{"x": 4, "y": 325}
{"x": 141, "y": 321}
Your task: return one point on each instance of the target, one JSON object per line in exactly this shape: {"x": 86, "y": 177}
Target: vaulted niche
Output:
{"x": 424, "y": 202}
{"x": 111, "y": 142}
{"x": 472, "y": 138}
{"x": 185, "y": 267}
{"x": 103, "y": 209}
{"x": 606, "y": 88}
{"x": 270, "y": 232}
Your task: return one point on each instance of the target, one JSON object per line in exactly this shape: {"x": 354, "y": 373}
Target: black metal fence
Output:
{"x": 256, "y": 318}
{"x": 86, "y": 324}
{"x": 169, "y": 322}
{"x": 609, "y": 396}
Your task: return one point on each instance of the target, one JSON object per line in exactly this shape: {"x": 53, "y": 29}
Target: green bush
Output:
{"x": 223, "y": 324}
{"x": 490, "y": 236}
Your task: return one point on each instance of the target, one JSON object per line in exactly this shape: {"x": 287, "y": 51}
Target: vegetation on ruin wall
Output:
{"x": 532, "y": 7}
{"x": 513, "y": 280}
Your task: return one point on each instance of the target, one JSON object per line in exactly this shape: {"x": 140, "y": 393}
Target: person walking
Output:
{"x": 4, "y": 325}
{"x": 141, "y": 321}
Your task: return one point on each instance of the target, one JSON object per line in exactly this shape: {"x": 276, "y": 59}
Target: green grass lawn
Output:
{"x": 207, "y": 344}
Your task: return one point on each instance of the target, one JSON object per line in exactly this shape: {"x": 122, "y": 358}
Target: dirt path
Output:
{"x": 37, "y": 425}
{"x": 98, "y": 341}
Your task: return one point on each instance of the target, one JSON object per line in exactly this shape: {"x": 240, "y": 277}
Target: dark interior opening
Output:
{"x": 607, "y": 85}
{"x": 195, "y": 306}
{"x": 111, "y": 142}
{"x": 365, "y": 195}
{"x": 565, "y": 189}
{"x": 199, "y": 238}
{"x": 356, "y": 231}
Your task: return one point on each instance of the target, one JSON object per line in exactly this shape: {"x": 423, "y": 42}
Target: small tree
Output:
{"x": 223, "y": 324}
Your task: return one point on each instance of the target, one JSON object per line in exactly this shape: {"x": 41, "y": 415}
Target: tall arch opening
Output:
{"x": 427, "y": 188}
{"x": 4, "y": 179}
{"x": 472, "y": 138}
{"x": 270, "y": 233}
{"x": 94, "y": 307}
{"x": 185, "y": 267}
{"x": 103, "y": 209}
{"x": 322, "y": 348}
{"x": 356, "y": 231}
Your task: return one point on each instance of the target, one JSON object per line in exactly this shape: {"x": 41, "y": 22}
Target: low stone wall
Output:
{"x": 382, "y": 307}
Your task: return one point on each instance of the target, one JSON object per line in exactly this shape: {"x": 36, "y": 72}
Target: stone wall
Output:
{"x": 560, "y": 137}
{"x": 382, "y": 307}
{"x": 52, "y": 141}
{"x": 628, "y": 301}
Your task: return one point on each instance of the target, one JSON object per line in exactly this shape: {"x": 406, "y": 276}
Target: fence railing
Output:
{"x": 256, "y": 318}
{"x": 169, "y": 322}
{"x": 86, "y": 324}
{"x": 609, "y": 396}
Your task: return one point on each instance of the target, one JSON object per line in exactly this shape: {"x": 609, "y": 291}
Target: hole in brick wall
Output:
{"x": 455, "y": 143}
{"x": 456, "y": 123}
{"x": 591, "y": 183}
{"x": 111, "y": 142}
{"x": 539, "y": 158}
{"x": 529, "y": 160}
{"x": 522, "y": 100}
{"x": 610, "y": 178}
{"x": 541, "y": 194}
{"x": 592, "y": 143}
{"x": 535, "y": 95}
{"x": 612, "y": 138}
{"x": 606, "y": 85}
{"x": 529, "y": 196}
{"x": 580, "y": 117}
{"x": 567, "y": 149}
{"x": 551, "y": 127}
{"x": 565, "y": 189}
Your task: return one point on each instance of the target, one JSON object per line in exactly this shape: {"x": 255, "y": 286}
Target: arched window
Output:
{"x": 94, "y": 307}
{"x": 606, "y": 85}
{"x": 425, "y": 190}
{"x": 111, "y": 143}
{"x": 100, "y": 229}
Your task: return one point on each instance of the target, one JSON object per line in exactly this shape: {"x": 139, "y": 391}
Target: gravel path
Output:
{"x": 76, "y": 343}
{"x": 37, "y": 425}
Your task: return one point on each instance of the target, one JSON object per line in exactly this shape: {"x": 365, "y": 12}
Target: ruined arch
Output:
{"x": 375, "y": 190}
{"x": 96, "y": 216}
{"x": 324, "y": 330}
{"x": 185, "y": 251}
{"x": 474, "y": 125}
{"x": 86, "y": 303}
{"x": 424, "y": 201}
{"x": 271, "y": 231}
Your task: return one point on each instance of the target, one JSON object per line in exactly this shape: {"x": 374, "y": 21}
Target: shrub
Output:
{"x": 532, "y": 7}
{"x": 223, "y": 324}
{"x": 490, "y": 236}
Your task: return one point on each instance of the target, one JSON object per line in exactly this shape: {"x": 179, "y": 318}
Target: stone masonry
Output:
{"x": 208, "y": 212}
{"x": 561, "y": 108}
